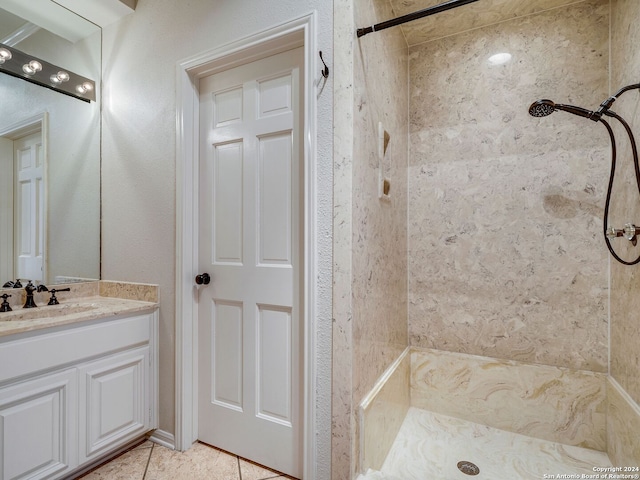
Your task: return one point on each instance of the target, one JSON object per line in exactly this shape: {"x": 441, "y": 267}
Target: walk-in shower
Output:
{"x": 488, "y": 314}
{"x": 545, "y": 107}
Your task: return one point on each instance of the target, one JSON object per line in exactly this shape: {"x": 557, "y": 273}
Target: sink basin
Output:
{"x": 46, "y": 311}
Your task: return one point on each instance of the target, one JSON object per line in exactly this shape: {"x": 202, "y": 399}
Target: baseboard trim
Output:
{"x": 163, "y": 438}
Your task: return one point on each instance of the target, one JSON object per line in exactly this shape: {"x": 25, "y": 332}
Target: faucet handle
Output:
{"x": 53, "y": 300}
{"x": 5, "y": 307}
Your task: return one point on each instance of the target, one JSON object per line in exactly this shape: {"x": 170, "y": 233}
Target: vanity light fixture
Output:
{"x": 21, "y": 65}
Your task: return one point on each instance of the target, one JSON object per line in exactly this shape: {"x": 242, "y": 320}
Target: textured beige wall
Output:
{"x": 506, "y": 257}
{"x": 370, "y": 254}
{"x": 342, "y": 410}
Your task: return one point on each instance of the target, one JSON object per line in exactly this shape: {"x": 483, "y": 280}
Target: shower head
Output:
{"x": 544, "y": 107}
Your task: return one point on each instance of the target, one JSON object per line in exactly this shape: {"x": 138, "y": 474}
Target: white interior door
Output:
{"x": 249, "y": 332}
{"x": 29, "y": 206}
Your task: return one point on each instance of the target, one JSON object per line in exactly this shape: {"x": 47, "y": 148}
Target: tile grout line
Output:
{"x": 148, "y": 461}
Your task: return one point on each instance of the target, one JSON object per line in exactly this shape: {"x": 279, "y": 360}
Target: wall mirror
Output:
{"x": 49, "y": 151}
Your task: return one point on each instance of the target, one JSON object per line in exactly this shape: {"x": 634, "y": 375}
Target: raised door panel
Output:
{"x": 38, "y": 427}
{"x": 115, "y": 401}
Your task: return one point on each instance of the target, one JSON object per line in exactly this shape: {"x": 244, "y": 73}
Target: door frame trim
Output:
{"x": 26, "y": 126}
{"x": 301, "y": 31}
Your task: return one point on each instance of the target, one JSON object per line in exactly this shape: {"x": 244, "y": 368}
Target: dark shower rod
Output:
{"x": 414, "y": 16}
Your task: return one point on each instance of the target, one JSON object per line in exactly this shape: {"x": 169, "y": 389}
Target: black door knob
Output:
{"x": 203, "y": 278}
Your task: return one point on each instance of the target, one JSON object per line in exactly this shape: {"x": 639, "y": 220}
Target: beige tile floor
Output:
{"x": 150, "y": 461}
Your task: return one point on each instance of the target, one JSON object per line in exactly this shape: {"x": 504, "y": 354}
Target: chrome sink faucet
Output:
{"x": 30, "y": 288}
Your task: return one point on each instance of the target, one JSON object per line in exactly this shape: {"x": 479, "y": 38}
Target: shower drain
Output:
{"x": 468, "y": 468}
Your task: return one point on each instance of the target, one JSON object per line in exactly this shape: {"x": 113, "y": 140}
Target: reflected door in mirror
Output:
{"x": 29, "y": 206}
{"x": 23, "y": 174}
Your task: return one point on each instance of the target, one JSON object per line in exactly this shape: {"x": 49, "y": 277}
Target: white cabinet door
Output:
{"x": 38, "y": 427}
{"x": 115, "y": 402}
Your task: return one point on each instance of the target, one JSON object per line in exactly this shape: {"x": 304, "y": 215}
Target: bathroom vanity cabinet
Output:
{"x": 72, "y": 394}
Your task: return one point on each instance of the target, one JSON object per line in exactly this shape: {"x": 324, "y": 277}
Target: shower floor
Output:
{"x": 429, "y": 446}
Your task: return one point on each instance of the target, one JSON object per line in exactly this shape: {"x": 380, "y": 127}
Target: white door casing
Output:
{"x": 8, "y": 135}
{"x": 250, "y": 381}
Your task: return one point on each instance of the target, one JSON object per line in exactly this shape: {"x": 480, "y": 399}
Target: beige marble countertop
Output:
{"x": 73, "y": 311}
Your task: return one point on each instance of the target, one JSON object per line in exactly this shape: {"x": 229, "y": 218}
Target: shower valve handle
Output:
{"x": 614, "y": 232}
{"x": 630, "y": 231}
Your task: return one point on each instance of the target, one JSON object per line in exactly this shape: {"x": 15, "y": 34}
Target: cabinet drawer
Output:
{"x": 47, "y": 351}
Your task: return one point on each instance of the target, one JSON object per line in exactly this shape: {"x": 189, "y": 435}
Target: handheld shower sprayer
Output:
{"x": 545, "y": 107}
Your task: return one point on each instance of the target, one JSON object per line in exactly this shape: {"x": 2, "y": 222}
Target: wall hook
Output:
{"x": 325, "y": 70}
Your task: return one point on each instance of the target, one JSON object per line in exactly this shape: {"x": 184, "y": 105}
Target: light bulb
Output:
{"x": 59, "y": 77}
{"x": 4, "y": 55}
{"x": 84, "y": 88}
{"x": 32, "y": 67}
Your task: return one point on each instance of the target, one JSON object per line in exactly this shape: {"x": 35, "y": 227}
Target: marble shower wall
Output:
{"x": 625, "y": 281}
{"x": 379, "y": 262}
{"x": 624, "y": 412}
{"x": 506, "y": 257}
{"x": 551, "y": 403}
{"x": 382, "y": 412}
{"x": 370, "y": 235}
